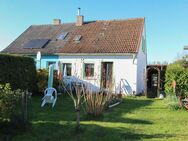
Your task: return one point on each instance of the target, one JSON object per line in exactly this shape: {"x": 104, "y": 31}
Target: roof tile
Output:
{"x": 121, "y": 36}
{"x": 117, "y": 36}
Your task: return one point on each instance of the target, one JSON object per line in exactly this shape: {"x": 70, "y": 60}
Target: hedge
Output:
{"x": 19, "y": 72}
{"x": 179, "y": 73}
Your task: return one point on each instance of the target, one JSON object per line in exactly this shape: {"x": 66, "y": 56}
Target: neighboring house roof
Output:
{"x": 40, "y": 32}
{"x": 115, "y": 36}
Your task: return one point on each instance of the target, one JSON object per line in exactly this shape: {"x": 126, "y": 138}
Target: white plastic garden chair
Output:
{"x": 50, "y": 96}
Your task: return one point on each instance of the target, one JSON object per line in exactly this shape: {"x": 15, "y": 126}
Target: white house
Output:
{"x": 108, "y": 54}
{"x": 103, "y": 54}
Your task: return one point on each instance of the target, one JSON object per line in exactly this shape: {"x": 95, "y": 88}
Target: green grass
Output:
{"x": 135, "y": 119}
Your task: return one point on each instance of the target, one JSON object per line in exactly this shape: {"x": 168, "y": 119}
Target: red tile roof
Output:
{"x": 118, "y": 36}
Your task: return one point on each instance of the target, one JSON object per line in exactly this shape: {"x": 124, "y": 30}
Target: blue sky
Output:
{"x": 166, "y": 20}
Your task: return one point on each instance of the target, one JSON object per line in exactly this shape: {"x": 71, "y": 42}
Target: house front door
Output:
{"x": 106, "y": 75}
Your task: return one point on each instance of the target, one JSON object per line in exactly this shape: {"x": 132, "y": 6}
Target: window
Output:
{"x": 67, "y": 69}
{"x": 77, "y": 38}
{"x": 89, "y": 70}
{"x": 62, "y": 36}
{"x": 50, "y": 63}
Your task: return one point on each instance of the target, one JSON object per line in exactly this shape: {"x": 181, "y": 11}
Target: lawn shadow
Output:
{"x": 64, "y": 111}
{"x": 50, "y": 131}
{"x": 118, "y": 113}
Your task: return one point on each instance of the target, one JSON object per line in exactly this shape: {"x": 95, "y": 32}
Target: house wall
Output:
{"x": 45, "y": 60}
{"x": 124, "y": 70}
{"x": 141, "y": 61}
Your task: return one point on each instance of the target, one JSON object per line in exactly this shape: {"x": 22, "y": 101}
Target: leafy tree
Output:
{"x": 178, "y": 72}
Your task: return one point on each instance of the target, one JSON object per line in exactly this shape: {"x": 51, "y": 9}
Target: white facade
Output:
{"x": 125, "y": 71}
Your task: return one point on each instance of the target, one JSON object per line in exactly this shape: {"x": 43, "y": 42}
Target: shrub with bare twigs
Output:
{"x": 76, "y": 92}
{"x": 95, "y": 103}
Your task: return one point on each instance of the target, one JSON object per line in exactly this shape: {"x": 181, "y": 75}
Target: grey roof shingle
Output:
{"x": 40, "y": 32}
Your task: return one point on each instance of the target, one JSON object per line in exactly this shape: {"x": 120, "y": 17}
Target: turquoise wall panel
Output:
{"x": 45, "y": 60}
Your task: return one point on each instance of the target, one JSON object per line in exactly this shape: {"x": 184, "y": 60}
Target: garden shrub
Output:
{"x": 8, "y": 101}
{"x": 172, "y": 102}
{"x": 179, "y": 73}
{"x": 12, "y": 102}
{"x": 13, "y": 111}
{"x": 42, "y": 80}
{"x": 19, "y": 71}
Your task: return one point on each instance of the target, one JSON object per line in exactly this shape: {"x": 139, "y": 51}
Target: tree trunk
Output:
{"x": 78, "y": 118}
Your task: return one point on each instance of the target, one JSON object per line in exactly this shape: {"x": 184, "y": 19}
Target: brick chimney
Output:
{"x": 80, "y": 19}
{"x": 56, "y": 21}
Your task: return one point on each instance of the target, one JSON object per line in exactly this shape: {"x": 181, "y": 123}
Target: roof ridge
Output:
{"x": 129, "y": 19}
{"x": 51, "y": 24}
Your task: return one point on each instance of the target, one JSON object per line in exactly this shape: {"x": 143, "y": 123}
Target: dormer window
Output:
{"x": 62, "y": 36}
{"x": 77, "y": 38}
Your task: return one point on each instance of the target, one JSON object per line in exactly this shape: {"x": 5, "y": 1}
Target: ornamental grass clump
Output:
{"x": 95, "y": 103}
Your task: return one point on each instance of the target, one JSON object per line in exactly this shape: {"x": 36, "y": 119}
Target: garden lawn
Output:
{"x": 137, "y": 118}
